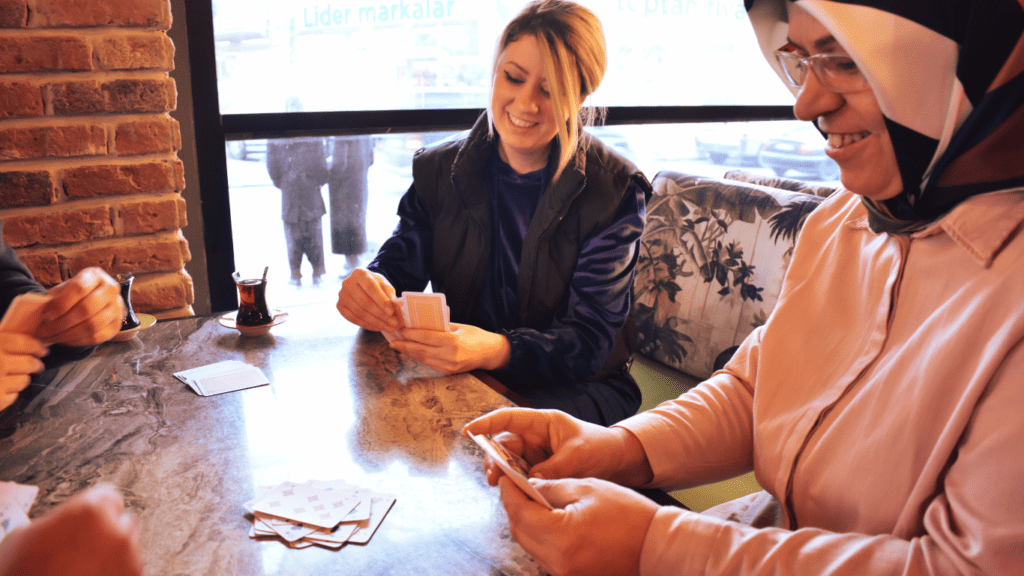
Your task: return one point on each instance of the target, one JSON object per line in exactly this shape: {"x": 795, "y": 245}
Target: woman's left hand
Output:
{"x": 597, "y": 527}
{"x": 463, "y": 349}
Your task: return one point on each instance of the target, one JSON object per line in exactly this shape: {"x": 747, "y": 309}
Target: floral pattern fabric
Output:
{"x": 712, "y": 259}
{"x": 790, "y": 184}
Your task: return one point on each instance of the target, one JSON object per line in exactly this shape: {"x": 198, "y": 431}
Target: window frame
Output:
{"x": 214, "y": 130}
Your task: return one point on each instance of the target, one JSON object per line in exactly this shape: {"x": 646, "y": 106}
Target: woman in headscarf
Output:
{"x": 879, "y": 406}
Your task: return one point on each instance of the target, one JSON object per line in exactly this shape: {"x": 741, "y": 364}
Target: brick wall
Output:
{"x": 89, "y": 172}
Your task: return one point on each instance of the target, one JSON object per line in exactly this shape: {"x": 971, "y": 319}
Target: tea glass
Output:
{"x": 252, "y": 296}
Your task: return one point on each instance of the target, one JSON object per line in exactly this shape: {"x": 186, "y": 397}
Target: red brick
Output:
{"x": 182, "y": 213}
{"x": 158, "y": 292}
{"x": 153, "y": 50}
{"x": 51, "y": 53}
{"x": 53, "y": 141}
{"x": 20, "y": 99}
{"x": 179, "y": 175}
{"x": 59, "y": 227}
{"x": 80, "y": 13}
{"x": 149, "y": 216}
{"x": 13, "y": 14}
{"x": 26, "y": 189}
{"x": 44, "y": 266}
{"x": 90, "y": 97}
{"x": 148, "y": 137}
{"x": 136, "y": 255}
{"x": 90, "y": 181}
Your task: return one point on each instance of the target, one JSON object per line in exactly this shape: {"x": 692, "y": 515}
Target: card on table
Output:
{"x": 513, "y": 466}
{"x": 320, "y": 508}
{"x": 24, "y": 313}
{"x": 226, "y": 376}
{"x": 21, "y": 494}
{"x": 381, "y": 504}
{"x": 11, "y": 517}
{"x": 357, "y": 526}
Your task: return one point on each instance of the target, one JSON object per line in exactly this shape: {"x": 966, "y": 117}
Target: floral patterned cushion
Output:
{"x": 712, "y": 258}
{"x": 778, "y": 182}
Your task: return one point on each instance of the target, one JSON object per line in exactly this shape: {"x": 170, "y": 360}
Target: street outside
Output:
{"x": 258, "y": 232}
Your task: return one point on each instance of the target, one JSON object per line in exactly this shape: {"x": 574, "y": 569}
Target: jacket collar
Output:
{"x": 468, "y": 180}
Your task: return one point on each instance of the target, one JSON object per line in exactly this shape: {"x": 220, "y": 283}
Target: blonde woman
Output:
{"x": 529, "y": 226}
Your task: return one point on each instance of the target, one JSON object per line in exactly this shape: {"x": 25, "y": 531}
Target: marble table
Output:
{"x": 341, "y": 405}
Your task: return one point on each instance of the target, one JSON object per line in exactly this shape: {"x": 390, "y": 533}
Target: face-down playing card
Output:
{"x": 428, "y": 311}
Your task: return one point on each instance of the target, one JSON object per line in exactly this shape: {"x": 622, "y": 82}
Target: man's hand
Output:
{"x": 596, "y": 527}
{"x": 89, "y": 535}
{"x": 84, "y": 311}
{"x": 365, "y": 300}
{"x": 463, "y": 349}
{"x": 559, "y": 446}
{"x": 19, "y": 358}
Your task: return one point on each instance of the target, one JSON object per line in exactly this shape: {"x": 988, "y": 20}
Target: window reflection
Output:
{"x": 700, "y": 149}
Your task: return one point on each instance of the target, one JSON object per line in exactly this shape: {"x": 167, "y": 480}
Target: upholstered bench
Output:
{"x": 713, "y": 255}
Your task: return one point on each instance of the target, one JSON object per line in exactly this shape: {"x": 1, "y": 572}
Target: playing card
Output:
{"x": 24, "y": 313}
{"x": 324, "y": 509}
{"x": 290, "y": 531}
{"x": 381, "y": 504}
{"x": 226, "y": 376}
{"x": 514, "y": 467}
{"x": 425, "y": 311}
{"x": 11, "y": 517}
{"x": 362, "y": 509}
{"x": 275, "y": 509}
{"x": 336, "y": 536}
{"x": 21, "y": 494}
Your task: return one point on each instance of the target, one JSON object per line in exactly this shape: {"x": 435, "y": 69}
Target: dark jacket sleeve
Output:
{"x": 16, "y": 279}
{"x": 582, "y": 335}
{"x": 404, "y": 258}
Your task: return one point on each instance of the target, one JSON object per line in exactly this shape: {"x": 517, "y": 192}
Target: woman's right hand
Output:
{"x": 19, "y": 358}
{"x": 559, "y": 446}
{"x": 365, "y": 299}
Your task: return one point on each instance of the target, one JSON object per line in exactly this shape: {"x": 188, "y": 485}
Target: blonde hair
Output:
{"x": 572, "y": 46}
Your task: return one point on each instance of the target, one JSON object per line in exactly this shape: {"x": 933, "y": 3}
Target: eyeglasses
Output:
{"x": 836, "y": 72}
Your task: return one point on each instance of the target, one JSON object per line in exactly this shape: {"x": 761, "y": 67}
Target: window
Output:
{"x": 377, "y": 55}
{"x": 685, "y": 90}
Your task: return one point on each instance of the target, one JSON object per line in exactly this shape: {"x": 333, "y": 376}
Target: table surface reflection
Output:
{"x": 341, "y": 405}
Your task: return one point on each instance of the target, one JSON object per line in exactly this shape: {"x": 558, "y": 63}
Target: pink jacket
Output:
{"x": 881, "y": 404}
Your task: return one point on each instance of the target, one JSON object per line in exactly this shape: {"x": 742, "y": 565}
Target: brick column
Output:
{"x": 89, "y": 172}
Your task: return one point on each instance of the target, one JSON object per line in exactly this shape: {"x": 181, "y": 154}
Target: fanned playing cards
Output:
{"x": 226, "y": 376}
{"x": 513, "y": 466}
{"x": 327, "y": 513}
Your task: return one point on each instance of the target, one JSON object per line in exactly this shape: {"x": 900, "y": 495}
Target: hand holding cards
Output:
{"x": 513, "y": 466}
